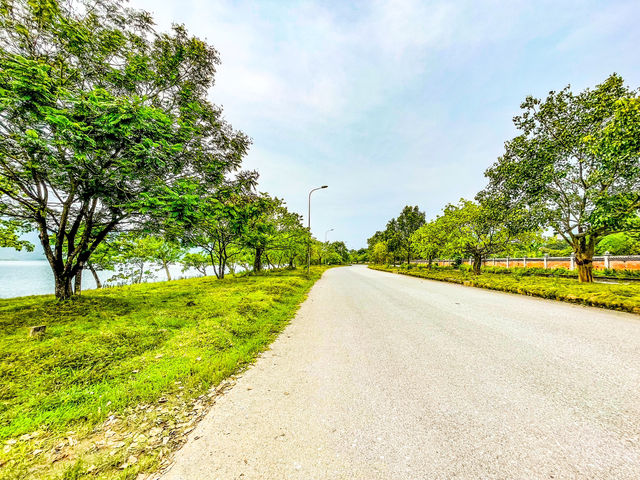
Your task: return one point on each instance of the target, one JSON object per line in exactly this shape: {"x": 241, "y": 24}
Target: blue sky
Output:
{"x": 394, "y": 102}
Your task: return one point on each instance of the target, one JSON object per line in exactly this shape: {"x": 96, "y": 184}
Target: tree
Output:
{"x": 290, "y": 238}
{"x": 197, "y": 261}
{"x": 576, "y": 165}
{"x": 341, "y": 250}
{"x": 409, "y": 220}
{"x": 164, "y": 252}
{"x": 359, "y": 256}
{"x": 273, "y": 233}
{"x": 372, "y": 242}
{"x": 216, "y": 224}
{"x": 100, "y": 116}
{"x": 131, "y": 253}
{"x": 398, "y": 232}
{"x": 478, "y": 230}
{"x": 429, "y": 240}
{"x": 104, "y": 258}
{"x": 262, "y": 230}
{"x": 380, "y": 253}
{"x": 393, "y": 240}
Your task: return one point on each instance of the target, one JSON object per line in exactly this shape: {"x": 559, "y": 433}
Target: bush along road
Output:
{"x": 613, "y": 296}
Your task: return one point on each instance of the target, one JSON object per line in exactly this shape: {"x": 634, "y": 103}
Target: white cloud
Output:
{"x": 397, "y": 101}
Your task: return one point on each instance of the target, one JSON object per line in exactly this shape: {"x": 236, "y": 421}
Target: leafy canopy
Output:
{"x": 100, "y": 118}
{"x": 576, "y": 162}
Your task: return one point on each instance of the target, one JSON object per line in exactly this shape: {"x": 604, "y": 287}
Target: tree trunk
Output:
{"x": 95, "y": 276}
{"x": 257, "y": 260}
{"x": 77, "y": 287}
{"x": 477, "y": 264}
{"x": 430, "y": 260}
{"x": 222, "y": 267}
{"x": 271, "y": 265}
{"x": 63, "y": 287}
{"x": 584, "y": 248}
{"x": 166, "y": 269}
{"x": 213, "y": 265}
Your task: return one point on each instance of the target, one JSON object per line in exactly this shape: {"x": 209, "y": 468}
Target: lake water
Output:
{"x": 33, "y": 277}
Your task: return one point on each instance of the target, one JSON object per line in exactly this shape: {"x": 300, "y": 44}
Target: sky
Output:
{"x": 393, "y": 103}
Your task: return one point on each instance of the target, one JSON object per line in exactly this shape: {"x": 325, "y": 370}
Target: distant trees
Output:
{"x": 398, "y": 236}
{"x": 430, "y": 240}
{"x": 574, "y": 168}
{"x": 164, "y": 252}
{"x": 274, "y": 234}
{"x": 380, "y": 253}
{"x": 476, "y": 230}
{"x": 215, "y": 224}
{"x": 197, "y": 261}
{"x": 359, "y": 256}
{"x": 409, "y": 220}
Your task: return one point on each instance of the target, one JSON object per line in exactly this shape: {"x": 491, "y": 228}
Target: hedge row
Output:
{"x": 544, "y": 272}
{"x": 625, "y": 297}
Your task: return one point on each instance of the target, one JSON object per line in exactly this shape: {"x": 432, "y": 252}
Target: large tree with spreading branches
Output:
{"x": 100, "y": 115}
{"x": 576, "y": 165}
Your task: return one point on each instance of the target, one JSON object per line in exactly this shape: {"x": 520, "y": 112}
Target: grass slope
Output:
{"x": 625, "y": 297}
{"x": 73, "y": 397}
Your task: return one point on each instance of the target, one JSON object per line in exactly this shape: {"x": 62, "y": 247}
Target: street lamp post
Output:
{"x": 309, "y": 228}
{"x": 325, "y": 234}
{"x": 325, "y": 241}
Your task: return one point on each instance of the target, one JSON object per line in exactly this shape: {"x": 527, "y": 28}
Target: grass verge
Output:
{"x": 121, "y": 375}
{"x": 613, "y": 296}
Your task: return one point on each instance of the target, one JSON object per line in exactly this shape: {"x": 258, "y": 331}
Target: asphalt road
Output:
{"x": 382, "y": 376}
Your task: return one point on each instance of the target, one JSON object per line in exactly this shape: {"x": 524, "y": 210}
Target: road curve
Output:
{"x": 382, "y": 376}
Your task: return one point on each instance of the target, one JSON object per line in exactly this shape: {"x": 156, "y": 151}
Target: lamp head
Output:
{"x": 324, "y": 186}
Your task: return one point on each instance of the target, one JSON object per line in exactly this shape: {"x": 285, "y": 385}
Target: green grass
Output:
{"x": 557, "y": 272}
{"x": 620, "y": 296}
{"x": 110, "y": 351}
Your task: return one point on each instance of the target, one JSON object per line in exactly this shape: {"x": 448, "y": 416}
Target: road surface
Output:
{"x": 382, "y": 376}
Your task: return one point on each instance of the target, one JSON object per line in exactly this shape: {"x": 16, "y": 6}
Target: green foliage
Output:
{"x": 613, "y": 296}
{"x": 398, "y": 236}
{"x": 337, "y": 253}
{"x": 197, "y": 261}
{"x": 380, "y": 253}
{"x": 218, "y": 222}
{"x": 409, "y": 220}
{"x": 112, "y": 350}
{"x": 105, "y": 122}
{"x": 274, "y": 234}
{"x": 575, "y": 166}
{"x": 429, "y": 240}
{"x": 471, "y": 229}
{"x": 359, "y": 256}
{"x": 10, "y": 232}
{"x": 622, "y": 243}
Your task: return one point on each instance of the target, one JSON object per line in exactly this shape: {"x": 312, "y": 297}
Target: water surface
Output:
{"x": 19, "y": 278}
